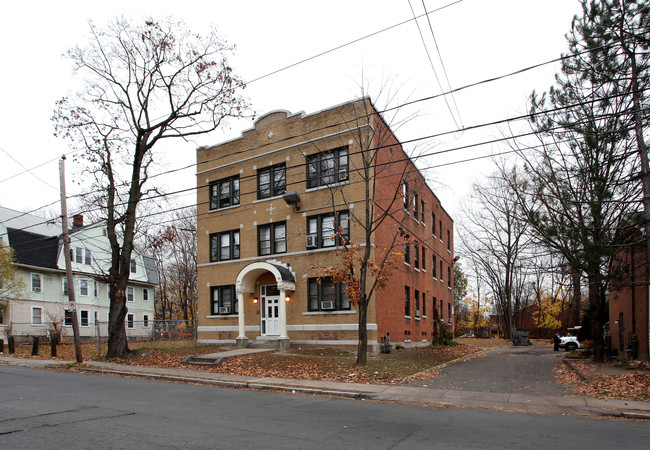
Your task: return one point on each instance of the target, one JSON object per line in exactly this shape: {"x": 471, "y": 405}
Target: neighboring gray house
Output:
{"x": 40, "y": 262}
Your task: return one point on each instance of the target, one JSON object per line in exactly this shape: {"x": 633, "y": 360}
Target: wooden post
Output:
{"x": 11, "y": 345}
{"x": 53, "y": 345}
{"x": 68, "y": 264}
{"x": 35, "y": 346}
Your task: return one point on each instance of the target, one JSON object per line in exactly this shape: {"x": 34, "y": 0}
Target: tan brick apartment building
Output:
{"x": 269, "y": 204}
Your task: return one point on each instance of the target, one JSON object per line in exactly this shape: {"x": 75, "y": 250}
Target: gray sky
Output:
{"x": 477, "y": 40}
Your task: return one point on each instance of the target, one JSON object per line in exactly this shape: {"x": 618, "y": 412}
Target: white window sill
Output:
{"x": 223, "y": 209}
{"x": 328, "y": 186}
{"x": 275, "y": 197}
{"x": 323, "y": 313}
{"x": 407, "y": 317}
{"x": 222, "y": 316}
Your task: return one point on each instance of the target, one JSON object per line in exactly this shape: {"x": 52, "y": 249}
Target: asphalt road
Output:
{"x": 48, "y": 409}
{"x": 527, "y": 370}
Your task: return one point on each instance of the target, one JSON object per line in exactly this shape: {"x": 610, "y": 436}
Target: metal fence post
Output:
{"x": 99, "y": 350}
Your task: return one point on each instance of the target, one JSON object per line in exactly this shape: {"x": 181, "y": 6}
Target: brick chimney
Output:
{"x": 77, "y": 221}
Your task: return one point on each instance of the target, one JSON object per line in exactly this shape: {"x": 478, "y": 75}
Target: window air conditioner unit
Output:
{"x": 224, "y": 310}
{"x": 327, "y": 304}
{"x": 417, "y": 313}
{"x": 312, "y": 241}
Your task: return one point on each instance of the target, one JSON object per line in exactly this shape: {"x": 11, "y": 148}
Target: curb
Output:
{"x": 580, "y": 374}
{"x": 222, "y": 383}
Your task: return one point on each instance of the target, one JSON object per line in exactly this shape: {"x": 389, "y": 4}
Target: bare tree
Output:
{"x": 145, "y": 83}
{"x": 498, "y": 240}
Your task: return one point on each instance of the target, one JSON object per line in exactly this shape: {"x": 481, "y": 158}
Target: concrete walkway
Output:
{"x": 391, "y": 393}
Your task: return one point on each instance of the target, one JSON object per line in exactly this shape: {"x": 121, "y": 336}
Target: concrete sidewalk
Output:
{"x": 389, "y": 393}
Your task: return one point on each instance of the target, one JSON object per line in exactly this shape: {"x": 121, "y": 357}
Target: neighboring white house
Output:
{"x": 40, "y": 262}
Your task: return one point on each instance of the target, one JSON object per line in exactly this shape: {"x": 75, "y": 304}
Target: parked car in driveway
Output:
{"x": 570, "y": 343}
{"x": 467, "y": 335}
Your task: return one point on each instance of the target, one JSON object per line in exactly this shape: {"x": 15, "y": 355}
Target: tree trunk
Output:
{"x": 362, "y": 349}
{"x": 118, "y": 346}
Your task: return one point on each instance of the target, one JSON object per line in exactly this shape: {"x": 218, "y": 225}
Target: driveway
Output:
{"x": 523, "y": 370}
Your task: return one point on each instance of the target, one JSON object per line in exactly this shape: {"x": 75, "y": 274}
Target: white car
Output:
{"x": 570, "y": 343}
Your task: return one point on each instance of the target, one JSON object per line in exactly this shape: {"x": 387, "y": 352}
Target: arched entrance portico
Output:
{"x": 245, "y": 283}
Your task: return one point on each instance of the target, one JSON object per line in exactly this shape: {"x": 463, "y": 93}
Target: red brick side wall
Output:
{"x": 392, "y": 169}
{"x": 629, "y": 300}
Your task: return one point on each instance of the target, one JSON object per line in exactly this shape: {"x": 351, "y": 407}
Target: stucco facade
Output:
{"x": 269, "y": 204}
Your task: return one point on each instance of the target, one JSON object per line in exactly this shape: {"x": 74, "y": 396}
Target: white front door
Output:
{"x": 270, "y": 296}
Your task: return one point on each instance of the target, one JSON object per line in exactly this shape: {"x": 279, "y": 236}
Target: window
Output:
{"x": 37, "y": 315}
{"x": 407, "y": 253}
{"x": 272, "y": 238}
{"x": 441, "y": 271}
{"x": 449, "y": 312}
{"x": 129, "y": 294}
{"x": 134, "y": 266}
{"x": 424, "y": 258}
{"x": 84, "y": 289}
{"x": 67, "y": 317}
{"x": 224, "y": 246}
{"x": 416, "y": 256}
{"x": 326, "y": 229}
{"x": 435, "y": 309}
{"x": 407, "y": 301}
{"x": 449, "y": 277}
{"x": 405, "y": 194}
{"x": 433, "y": 266}
{"x": 224, "y": 193}
{"x": 271, "y": 181}
{"x": 145, "y": 320}
{"x": 84, "y": 318}
{"x": 415, "y": 206}
{"x": 88, "y": 257}
{"x": 223, "y": 300}
{"x": 326, "y": 295}
{"x": 417, "y": 303}
{"x": 79, "y": 255}
{"x": 441, "y": 315}
{"x": 96, "y": 289}
{"x": 64, "y": 285}
{"x": 448, "y": 240}
{"x": 422, "y": 212}
{"x": 433, "y": 224}
{"x": 440, "y": 228}
{"x": 327, "y": 167}
{"x": 37, "y": 282}
{"x": 130, "y": 321}
{"x": 145, "y": 294}
{"x": 424, "y": 305}
{"x": 96, "y": 318}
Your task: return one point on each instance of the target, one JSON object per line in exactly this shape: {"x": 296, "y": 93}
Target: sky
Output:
{"x": 468, "y": 41}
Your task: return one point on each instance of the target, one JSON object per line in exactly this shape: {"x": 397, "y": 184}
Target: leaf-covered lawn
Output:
{"x": 328, "y": 363}
{"x": 626, "y": 385}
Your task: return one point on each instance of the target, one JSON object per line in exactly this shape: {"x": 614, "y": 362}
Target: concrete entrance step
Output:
{"x": 215, "y": 359}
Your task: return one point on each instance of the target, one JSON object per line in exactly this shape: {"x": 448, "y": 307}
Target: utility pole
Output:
{"x": 68, "y": 264}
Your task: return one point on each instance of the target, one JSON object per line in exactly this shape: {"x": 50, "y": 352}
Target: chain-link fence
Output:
{"x": 153, "y": 331}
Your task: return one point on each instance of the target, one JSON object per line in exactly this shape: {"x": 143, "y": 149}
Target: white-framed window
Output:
{"x": 145, "y": 320}
{"x": 130, "y": 321}
{"x": 37, "y": 282}
{"x": 134, "y": 266}
{"x": 84, "y": 318}
{"x": 88, "y": 257}
{"x": 84, "y": 288}
{"x": 129, "y": 294}
{"x": 96, "y": 318}
{"x": 64, "y": 285}
{"x": 95, "y": 289}
{"x": 79, "y": 255}
{"x": 67, "y": 317}
{"x": 37, "y": 315}
{"x": 145, "y": 294}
